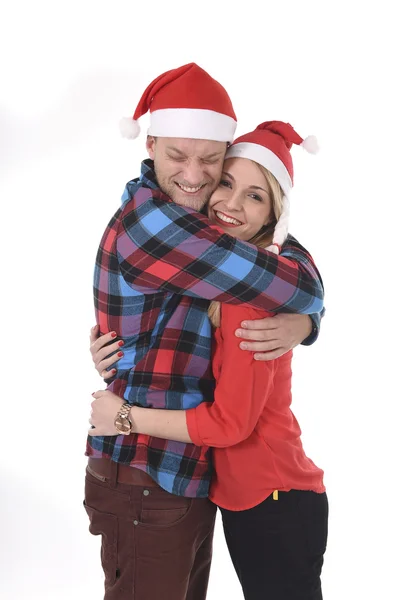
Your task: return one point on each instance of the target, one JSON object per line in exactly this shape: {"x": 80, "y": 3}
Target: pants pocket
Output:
{"x": 163, "y": 517}
{"x": 159, "y": 508}
{"x": 106, "y": 525}
{"x": 314, "y": 509}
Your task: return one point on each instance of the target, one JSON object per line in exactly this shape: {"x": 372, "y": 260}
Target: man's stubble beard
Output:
{"x": 178, "y": 196}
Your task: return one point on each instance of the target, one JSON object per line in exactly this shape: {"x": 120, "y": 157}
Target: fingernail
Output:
{"x": 243, "y": 345}
{"x": 239, "y": 333}
{"x": 121, "y": 343}
{"x": 244, "y": 324}
{"x": 113, "y": 371}
{"x": 120, "y": 354}
{"x": 256, "y": 356}
{"x": 113, "y": 334}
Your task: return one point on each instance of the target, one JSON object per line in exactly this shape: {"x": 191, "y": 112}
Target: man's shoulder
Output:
{"x": 291, "y": 244}
{"x": 294, "y": 250}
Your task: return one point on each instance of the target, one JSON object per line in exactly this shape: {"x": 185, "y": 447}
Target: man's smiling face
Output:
{"x": 187, "y": 170}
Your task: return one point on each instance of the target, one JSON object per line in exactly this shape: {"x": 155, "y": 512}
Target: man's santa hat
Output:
{"x": 187, "y": 103}
{"x": 269, "y": 145}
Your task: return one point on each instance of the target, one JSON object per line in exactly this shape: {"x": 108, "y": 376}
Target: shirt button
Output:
{"x": 135, "y": 522}
{"x": 146, "y": 493}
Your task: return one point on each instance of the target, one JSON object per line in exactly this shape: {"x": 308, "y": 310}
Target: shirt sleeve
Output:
{"x": 242, "y": 389}
{"x": 162, "y": 246}
{"x": 316, "y": 325}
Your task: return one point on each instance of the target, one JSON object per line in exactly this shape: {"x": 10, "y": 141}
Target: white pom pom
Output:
{"x": 310, "y": 144}
{"x": 129, "y": 128}
{"x": 273, "y": 248}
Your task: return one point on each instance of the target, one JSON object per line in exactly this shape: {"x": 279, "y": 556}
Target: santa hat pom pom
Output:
{"x": 310, "y": 144}
{"x": 275, "y": 248}
{"x": 129, "y": 128}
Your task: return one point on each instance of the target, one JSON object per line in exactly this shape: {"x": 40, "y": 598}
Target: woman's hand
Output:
{"x": 100, "y": 352}
{"x": 104, "y": 410}
{"x": 270, "y": 338}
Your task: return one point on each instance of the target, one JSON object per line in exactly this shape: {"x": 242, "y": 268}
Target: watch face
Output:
{"x": 122, "y": 424}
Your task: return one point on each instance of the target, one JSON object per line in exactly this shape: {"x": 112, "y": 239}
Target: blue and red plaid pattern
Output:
{"x": 158, "y": 266}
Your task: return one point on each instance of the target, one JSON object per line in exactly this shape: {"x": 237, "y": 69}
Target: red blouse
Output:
{"x": 255, "y": 437}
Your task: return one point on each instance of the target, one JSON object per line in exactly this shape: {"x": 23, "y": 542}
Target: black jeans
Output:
{"x": 277, "y": 547}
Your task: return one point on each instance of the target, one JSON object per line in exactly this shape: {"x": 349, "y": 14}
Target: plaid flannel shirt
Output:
{"x": 158, "y": 266}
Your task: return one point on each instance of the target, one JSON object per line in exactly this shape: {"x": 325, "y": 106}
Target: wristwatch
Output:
{"x": 122, "y": 421}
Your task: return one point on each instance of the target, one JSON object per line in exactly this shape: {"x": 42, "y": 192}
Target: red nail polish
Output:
{"x": 113, "y": 334}
{"x": 121, "y": 343}
{"x": 120, "y": 353}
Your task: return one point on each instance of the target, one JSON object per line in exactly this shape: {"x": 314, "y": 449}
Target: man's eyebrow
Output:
{"x": 175, "y": 150}
{"x": 207, "y": 157}
{"x": 213, "y": 155}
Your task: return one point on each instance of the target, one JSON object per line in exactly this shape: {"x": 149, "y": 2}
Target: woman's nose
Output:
{"x": 233, "y": 201}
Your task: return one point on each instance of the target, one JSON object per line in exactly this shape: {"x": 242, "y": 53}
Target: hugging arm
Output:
{"x": 162, "y": 246}
{"x": 243, "y": 387}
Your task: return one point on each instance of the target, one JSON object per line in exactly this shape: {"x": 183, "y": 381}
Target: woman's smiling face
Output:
{"x": 242, "y": 204}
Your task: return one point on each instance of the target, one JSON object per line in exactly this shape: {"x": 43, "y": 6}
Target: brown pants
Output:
{"x": 155, "y": 546}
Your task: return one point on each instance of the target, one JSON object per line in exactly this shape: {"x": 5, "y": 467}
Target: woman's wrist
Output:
{"x": 132, "y": 415}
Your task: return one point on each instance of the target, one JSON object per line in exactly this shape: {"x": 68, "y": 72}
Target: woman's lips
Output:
{"x": 219, "y": 219}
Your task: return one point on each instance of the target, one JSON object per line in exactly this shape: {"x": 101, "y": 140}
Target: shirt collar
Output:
{"x": 147, "y": 174}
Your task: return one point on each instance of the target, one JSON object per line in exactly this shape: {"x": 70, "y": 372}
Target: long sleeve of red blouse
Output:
{"x": 242, "y": 387}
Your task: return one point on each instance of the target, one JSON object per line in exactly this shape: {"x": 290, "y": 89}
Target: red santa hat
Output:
{"x": 187, "y": 103}
{"x": 269, "y": 145}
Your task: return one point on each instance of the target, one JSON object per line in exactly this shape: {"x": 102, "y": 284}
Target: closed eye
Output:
{"x": 176, "y": 158}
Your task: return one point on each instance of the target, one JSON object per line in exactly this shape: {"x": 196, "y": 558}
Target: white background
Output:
{"x": 69, "y": 71}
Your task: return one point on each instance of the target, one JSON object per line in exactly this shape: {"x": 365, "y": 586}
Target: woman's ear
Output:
{"x": 270, "y": 223}
{"x": 271, "y": 218}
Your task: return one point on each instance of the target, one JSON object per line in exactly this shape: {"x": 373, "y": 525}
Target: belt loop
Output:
{"x": 113, "y": 474}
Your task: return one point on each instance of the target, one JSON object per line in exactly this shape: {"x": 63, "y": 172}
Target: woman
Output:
{"x": 271, "y": 495}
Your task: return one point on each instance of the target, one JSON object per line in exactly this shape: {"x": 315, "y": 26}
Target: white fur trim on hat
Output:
{"x": 264, "y": 157}
{"x": 129, "y": 128}
{"x": 195, "y": 123}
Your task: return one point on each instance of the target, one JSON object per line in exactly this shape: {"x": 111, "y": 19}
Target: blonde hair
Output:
{"x": 266, "y": 235}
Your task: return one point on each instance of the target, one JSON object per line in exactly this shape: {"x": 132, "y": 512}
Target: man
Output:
{"x": 158, "y": 265}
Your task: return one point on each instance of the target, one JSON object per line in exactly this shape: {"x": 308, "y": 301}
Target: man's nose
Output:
{"x": 194, "y": 174}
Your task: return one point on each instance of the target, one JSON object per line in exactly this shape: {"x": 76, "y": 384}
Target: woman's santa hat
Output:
{"x": 269, "y": 145}
{"x": 186, "y": 103}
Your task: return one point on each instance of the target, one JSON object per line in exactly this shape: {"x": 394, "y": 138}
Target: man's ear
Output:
{"x": 150, "y": 145}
